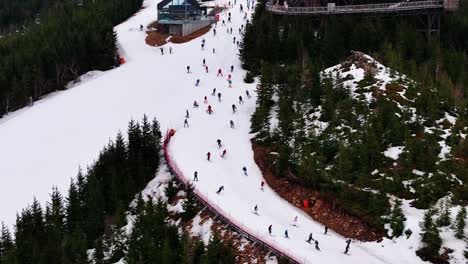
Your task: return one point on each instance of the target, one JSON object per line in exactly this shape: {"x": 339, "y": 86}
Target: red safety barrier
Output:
{"x": 239, "y": 227}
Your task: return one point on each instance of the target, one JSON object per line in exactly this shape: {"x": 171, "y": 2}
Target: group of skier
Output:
{"x": 231, "y": 122}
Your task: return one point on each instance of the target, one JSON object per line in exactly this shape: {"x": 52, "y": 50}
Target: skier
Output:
{"x": 286, "y": 234}
{"x": 310, "y": 238}
{"x": 238, "y": 43}
{"x": 232, "y": 68}
{"x": 248, "y": 94}
{"x": 188, "y": 68}
{"x": 229, "y": 14}
{"x": 170, "y": 50}
{"x": 326, "y": 230}
{"x": 241, "y": 8}
{"x": 214, "y": 31}
{"x": 186, "y": 123}
{"x": 234, "y": 107}
{"x": 195, "y": 104}
{"x": 205, "y": 100}
{"x": 219, "y": 97}
{"x": 220, "y": 72}
{"x": 317, "y": 245}
{"x": 208, "y": 156}
{"x": 245, "y": 170}
{"x": 220, "y": 189}
{"x": 230, "y": 83}
{"x": 187, "y": 114}
{"x": 206, "y": 69}
{"x": 223, "y": 23}
{"x": 197, "y": 83}
{"x": 234, "y": 40}
{"x": 209, "y": 110}
{"x": 214, "y": 51}
{"x": 347, "y": 246}
{"x": 261, "y": 185}
{"x": 295, "y": 221}
{"x": 162, "y": 50}
{"x": 195, "y": 176}
{"x": 229, "y": 76}
{"x": 240, "y": 31}
{"x": 241, "y": 101}
{"x": 256, "y": 209}
{"x": 269, "y": 229}
{"x": 229, "y": 19}
{"x": 203, "y": 40}
{"x": 231, "y": 123}
{"x": 231, "y": 30}
{"x": 219, "y": 143}
{"x": 214, "y": 92}
{"x": 224, "y": 154}
{"x": 203, "y": 46}
{"x": 204, "y": 62}
{"x": 141, "y": 27}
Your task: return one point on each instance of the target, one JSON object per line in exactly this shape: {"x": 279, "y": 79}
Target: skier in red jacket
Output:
{"x": 220, "y": 72}
{"x": 209, "y": 110}
{"x": 208, "y": 156}
{"x": 261, "y": 185}
{"x": 224, "y": 153}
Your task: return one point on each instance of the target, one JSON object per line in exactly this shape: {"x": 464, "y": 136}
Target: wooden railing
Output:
{"x": 223, "y": 215}
{"x": 358, "y": 9}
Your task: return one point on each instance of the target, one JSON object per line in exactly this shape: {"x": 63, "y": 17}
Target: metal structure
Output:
{"x": 220, "y": 213}
{"x": 427, "y": 11}
{"x": 382, "y": 8}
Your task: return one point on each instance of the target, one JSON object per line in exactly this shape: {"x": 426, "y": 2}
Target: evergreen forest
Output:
{"x": 64, "y": 41}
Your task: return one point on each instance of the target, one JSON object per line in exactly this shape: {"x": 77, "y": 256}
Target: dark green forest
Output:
{"x": 345, "y": 161}
{"x": 68, "y": 41}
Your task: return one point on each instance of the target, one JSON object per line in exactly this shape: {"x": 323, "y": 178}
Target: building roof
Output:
{"x": 193, "y": 3}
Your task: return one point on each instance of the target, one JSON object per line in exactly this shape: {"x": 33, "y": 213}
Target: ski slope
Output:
{"x": 44, "y": 145}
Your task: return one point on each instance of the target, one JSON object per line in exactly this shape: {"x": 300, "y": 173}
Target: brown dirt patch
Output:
{"x": 324, "y": 211}
{"x": 155, "y": 38}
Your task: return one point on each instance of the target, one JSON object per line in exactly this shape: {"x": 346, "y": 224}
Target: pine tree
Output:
{"x": 460, "y": 223}
{"x": 6, "y": 245}
{"x": 444, "y": 217}
{"x": 397, "y": 219}
{"x": 73, "y": 209}
{"x": 190, "y": 204}
{"x": 98, "y": 255}
{"x": 430, "y": 237}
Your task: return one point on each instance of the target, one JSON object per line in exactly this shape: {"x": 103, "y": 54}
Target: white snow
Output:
{"x": 201, "y": 230}
{"x": 44, "y": 145}
{"x": 393, "y": 152}
{"x": 418, "y": 172}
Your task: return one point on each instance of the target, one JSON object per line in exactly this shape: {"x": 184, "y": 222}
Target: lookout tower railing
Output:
{"x": 383, "y": 8}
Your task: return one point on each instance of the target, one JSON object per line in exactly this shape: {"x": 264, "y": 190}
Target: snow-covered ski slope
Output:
{"x": 44, "y": 145}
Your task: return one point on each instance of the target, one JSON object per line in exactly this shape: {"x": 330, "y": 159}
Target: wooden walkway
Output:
{"x": 386, "y": 8}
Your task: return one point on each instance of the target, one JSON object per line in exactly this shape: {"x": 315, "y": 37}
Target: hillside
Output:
{"x": 365, "y": 137}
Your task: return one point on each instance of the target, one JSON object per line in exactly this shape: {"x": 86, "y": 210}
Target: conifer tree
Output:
{"x": 460, "y": 223}
{"x": 397, "y": 219}
{"x": 98, "y": 255}
{"x": 430, "y": 237}
{"x": 190, "y": 204}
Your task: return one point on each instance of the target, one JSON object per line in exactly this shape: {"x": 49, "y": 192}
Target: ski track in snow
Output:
{"x": 67, "y": 130}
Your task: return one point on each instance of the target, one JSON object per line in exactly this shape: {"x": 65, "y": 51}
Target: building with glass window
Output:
{"x": 182, "y": 17}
